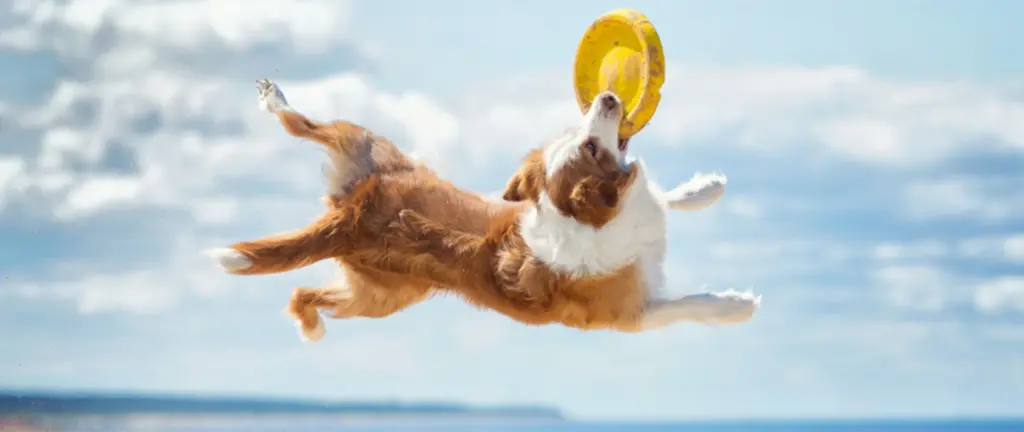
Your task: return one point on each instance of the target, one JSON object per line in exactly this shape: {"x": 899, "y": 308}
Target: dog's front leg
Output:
{"x": 700, "y": 192}
{"x": 727, "y": 307}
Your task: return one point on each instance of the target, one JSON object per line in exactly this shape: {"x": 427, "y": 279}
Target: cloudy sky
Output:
{"x": 875, "y": 151}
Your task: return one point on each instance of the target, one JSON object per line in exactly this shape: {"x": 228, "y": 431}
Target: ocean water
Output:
{"x": 306, "y": 424}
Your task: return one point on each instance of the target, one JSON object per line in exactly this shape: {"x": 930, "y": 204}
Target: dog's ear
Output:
{"x": 526, "y": 183}
{"x": 608, "y": 192}
{"x": 513, "y": 190}
{"x": 595, "y": 202}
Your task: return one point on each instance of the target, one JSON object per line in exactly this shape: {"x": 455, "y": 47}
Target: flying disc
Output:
{"x": 621, "y": 52}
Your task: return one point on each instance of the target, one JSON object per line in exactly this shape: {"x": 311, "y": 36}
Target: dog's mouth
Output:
{"x": 623, "y": 144}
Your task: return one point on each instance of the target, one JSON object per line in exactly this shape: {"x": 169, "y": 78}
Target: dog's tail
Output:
{"x": 355, "y": 152}
{"x": 702, "y": 191}
{"x": 337, "y": 136}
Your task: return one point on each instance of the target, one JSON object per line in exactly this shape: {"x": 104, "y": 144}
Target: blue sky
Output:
{"x": 875, "y": 153}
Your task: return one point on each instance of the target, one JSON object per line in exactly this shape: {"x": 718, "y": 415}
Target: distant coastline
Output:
{"x": 36, "y": 403}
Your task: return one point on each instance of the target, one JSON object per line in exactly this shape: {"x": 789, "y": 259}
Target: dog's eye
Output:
{"x": 591, "y": 146}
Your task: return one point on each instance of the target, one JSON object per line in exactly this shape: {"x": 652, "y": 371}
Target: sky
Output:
{"x": 875, "y": 154}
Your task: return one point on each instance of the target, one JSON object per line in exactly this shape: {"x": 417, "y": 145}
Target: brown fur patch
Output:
{"x": 587, "y": 188}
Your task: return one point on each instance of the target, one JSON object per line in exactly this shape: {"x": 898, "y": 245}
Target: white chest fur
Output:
{"x": 636, "y": 235}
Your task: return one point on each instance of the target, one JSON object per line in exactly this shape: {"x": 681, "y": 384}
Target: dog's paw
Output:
{"x": 713, "y": 181}
{"x": 313, "y": 333}
{"x": 701, "y": 191}
{"x": 272, "y": 100}
{"x": 730, "y": 306}
{"x": 229, "y": 260}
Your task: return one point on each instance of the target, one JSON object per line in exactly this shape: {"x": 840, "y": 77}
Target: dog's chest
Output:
{"x": 636, "y": 235}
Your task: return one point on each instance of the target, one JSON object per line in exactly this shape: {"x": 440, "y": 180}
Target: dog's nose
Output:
{"x": 609, "y": 101}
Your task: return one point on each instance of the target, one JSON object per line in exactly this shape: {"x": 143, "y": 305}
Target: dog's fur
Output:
{"x": 580, "y": 239}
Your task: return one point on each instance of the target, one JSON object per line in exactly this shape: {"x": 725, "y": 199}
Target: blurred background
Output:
{"x": 875, "y": 154}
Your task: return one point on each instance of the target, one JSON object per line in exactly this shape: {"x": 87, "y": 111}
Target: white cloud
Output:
{"x": 928, "y": 288}
{"x": 1006, "y": 332}
{"x": 922, "y": 249}
{"x": 140, "y": 292}
{"x": 965, "y": 198}
{"x": 839, "y": 110}
{"x": 95, "y": 193}
{"x": 744, "y": 207}
{"x": 238, "y": 23}
{"x": 1008, "y": 248}
{"x": 1013, "y": 248}
{"x": 9, "y": 169}
{"x": 917, "y": 287}
{"x": 68, "y": 25}
{"x": 1000, "y": 295}
{"x": 778, "y": 250}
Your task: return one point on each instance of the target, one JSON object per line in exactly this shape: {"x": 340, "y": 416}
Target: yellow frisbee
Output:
{"x": 621, "y": 52}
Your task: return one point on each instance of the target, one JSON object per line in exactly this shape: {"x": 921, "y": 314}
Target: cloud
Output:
{"x": 916, "y": 250}
{"x": 971, "y": 198}
{"x": 1008, "y": 248}
{"x": 141, "y": 292}
{"x": 918, "y": 287}
{"x": 841, "y": 112}
{"x": 9, "y": 168}
{"x": 1013, "y": 248}
{"x": 926, "y": 288}
{"x": 1001, "y": 295}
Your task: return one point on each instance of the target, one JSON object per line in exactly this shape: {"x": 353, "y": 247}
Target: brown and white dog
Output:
{"x": 580, "y": 240}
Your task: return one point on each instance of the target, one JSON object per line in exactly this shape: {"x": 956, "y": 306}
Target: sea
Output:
{"x": 327, "y": 424}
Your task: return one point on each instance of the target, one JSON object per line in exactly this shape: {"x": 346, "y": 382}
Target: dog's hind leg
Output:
{"x": 360, "y": 294}
{"x": 325, "y": 238}
{"x": 355, "y": 152}
{"x": 336, "y": 136}
{"x": 304, "y": 305}
{"x": 449, "y": 247}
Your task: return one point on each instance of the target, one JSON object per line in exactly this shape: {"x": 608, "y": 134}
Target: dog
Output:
{"x": 578, "y": 240}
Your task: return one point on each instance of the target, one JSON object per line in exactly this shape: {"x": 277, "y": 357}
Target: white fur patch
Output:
{"x": 271, "y": 98}
{"x": 229, "y": 259}
{"x": 605, "y": 129}
{"x": 560, "y": 152}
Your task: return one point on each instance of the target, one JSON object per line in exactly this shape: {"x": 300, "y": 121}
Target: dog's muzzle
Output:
{"x": 608, "y": 101}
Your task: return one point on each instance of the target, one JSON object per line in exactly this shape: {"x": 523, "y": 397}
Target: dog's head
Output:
{"x": 584, "y": 173}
